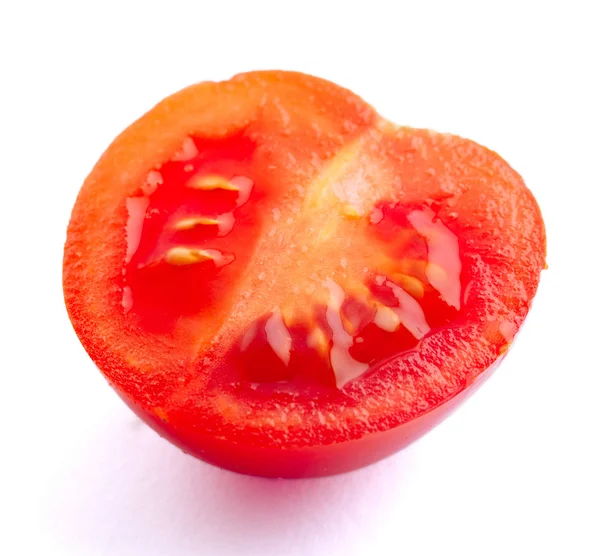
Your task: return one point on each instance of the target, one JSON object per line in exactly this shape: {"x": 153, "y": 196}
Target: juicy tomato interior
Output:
{"x": 282, "y": 282}
{"x": 191, "y": 234}
{"x": 187, "y": 225}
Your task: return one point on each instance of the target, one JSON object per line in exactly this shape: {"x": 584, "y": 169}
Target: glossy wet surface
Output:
{"x": 314, "y": 290}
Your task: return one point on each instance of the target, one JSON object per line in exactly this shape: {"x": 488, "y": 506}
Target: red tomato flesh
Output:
{"x": 282, "y": 283}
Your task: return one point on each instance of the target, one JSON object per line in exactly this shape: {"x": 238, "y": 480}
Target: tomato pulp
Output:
{"x": 285, "y": 284}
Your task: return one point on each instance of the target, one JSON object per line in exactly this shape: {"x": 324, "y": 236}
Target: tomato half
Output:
{"x": 285, "y": 284}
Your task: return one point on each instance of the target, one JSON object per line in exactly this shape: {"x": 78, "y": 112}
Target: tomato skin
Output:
{"x": 283, "y": 132}
{"x": 317, "y": 461}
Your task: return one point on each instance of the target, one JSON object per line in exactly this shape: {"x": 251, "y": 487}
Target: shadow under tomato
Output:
{"x": 136, "y": 494}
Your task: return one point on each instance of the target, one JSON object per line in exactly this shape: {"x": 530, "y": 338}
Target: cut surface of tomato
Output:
{"x": 283, "y": 283}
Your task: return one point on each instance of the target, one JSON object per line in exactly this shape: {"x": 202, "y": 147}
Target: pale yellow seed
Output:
{"x": 348, "y": 325}
{"x": 436, "y": 273}
{"x": 287, "y": 314}
{"x": 351, "y": 212}
{"x": 182, "y": 256}
{"x": 410, "y": 284}
{"x": 318, "y": 340}
{"x": 194, "y": 222}
{"x": 208, "y": 183}
{"x": 386, "y": 319}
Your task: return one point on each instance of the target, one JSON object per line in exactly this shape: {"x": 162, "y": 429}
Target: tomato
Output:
{"x": 283, "y": 283}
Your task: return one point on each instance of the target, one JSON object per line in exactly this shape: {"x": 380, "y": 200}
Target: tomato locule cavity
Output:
{"x": 196, "y": 214}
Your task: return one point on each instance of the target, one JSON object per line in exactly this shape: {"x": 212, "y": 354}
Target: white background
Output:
{"x": 515, "y": 471}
